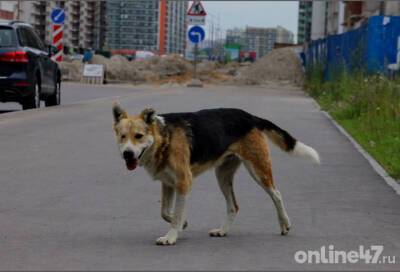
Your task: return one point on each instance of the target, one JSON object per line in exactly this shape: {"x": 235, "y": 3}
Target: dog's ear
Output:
{"x": 148, "y": 115}
{"x": 118, "y": 112}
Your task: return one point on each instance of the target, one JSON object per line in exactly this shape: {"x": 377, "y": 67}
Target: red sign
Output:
{"x": 197, "y": 9}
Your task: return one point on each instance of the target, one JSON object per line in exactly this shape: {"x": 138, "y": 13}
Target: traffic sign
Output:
{"x": 196, "y": 34}
{"x": 197, "y": 9}
{"x": 57, "y": 16}
{"x": 196, "y": 20}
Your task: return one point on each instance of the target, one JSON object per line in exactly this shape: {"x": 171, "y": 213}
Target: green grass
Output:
{"x": 368, "y": 107}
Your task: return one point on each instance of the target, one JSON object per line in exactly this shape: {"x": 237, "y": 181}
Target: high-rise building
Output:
{"x": 99, "y": 28}
{"x": 176, "y": 27}
{"x": 335, "y": 17}
{"x": 152, "y": 25}
{"x": 258, "y": 39}
{"x": 304, "y": 22}
{"x": 78, "y": 25}
{"x": 236, "y": 36}
{"x": 262, "y": 40}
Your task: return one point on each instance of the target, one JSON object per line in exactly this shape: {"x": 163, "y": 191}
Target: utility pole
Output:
{"x": 18, "y": 9}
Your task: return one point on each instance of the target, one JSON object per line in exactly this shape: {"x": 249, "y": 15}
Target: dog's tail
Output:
{"x": 287, "y": 142}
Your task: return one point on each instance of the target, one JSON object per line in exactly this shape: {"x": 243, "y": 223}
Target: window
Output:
{"x": 29, "y": 38}
{"x": 6, "y": 37}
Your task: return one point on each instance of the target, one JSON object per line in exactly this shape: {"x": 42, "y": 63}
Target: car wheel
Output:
{"x": 33, "y": 101}
{"x": 54, "y": 99}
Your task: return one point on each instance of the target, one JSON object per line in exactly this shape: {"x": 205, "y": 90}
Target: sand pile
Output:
{"x": 71, "y": 70}
{"x": 280, "y": 65}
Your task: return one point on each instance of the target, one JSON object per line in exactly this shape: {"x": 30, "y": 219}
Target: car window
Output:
{"x": 29, "y": 38}
{"x": 23, "y": 39}
{"x": 38, "y": 41}
{"x": 6, "y": 37}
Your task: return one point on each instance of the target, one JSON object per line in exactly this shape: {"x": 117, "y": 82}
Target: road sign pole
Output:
{"x": 196, "y": 48}
{"x": 196, "y": 82}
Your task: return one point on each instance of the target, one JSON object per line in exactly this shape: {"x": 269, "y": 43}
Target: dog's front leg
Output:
{"x": 179, "y": 167}
{"x": 167, "y": 202}
{"x": 177, "y": 223}
{"x": 182, "y": 190}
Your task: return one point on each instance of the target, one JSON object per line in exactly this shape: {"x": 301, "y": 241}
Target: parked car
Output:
{"x": 27, "y": 72}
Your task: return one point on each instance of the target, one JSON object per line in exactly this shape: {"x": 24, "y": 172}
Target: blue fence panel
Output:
{"x": 383, "y": 37}
{"x": 370, "y": 47}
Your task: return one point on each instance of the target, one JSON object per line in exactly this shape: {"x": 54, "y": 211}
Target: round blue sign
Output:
{"x": 57, "y": 16}
{"x": 196, "y": 34}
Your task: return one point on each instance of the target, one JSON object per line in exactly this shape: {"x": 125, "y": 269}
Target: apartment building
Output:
{"x": 236, "y": 36}
{"x": 335, "y": 17}
{"x": 176, "y": 27}
{"x": 262, "y": 40}
{"x": 304, "y": 22}
{"x": 78, "y": 25}
{"x": 152, "y": 25}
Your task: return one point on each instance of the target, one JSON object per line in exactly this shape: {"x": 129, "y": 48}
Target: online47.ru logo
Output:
{"x": 371, "y": 255}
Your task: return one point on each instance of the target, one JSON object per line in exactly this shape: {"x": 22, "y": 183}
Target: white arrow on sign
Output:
{"x": 198, "y": 34}
{"x": 58, "y": 15}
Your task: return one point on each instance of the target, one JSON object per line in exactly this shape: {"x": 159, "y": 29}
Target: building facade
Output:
{"x": 262, "y": 40}
{"x": 78, "y": 25}
{"x": 304, "y": 22}
{"x": 6, "y": 11}
{"x": 132, "y": 25}
{"x": 236, "y": 36}
{"x": 258, "y": 39}
{"x": 151, "y": 25}
{"x": 176, "y": 27}
{"x": 335, "y": 17}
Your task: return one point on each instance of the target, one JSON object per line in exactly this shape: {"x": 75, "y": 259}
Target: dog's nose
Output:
{"x": 128, "y": 155}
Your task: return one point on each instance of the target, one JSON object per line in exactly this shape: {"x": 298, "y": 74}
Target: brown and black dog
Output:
{"x": 174, "y": 148}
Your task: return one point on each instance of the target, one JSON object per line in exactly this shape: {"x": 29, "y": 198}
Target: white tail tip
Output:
{"x": 305, "y": 151}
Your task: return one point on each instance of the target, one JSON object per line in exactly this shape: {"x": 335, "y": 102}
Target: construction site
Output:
{"x": 280, "y": 65}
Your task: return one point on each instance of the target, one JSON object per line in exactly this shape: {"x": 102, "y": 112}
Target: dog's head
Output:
{"x": 133, "y": 134}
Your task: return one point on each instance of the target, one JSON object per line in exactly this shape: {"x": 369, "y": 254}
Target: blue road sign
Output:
{"x": 57, "y": 16}
{"x": 196, "y": 34}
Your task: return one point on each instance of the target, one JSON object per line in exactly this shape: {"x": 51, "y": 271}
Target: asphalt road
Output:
{"x": 68, "y": 203}
{"x": 73, "y": 93}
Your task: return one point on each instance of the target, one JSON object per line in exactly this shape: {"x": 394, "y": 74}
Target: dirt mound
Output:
{"x": 279, "y": 65}
{"x": 71, "y": 70}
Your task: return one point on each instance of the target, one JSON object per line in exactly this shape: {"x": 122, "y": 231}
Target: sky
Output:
{"x": 254, "y": 13}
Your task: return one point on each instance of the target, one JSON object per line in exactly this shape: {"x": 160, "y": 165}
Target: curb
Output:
{"x": 375, "y": 165}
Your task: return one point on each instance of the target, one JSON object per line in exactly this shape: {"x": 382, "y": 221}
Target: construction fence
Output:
{"x": 374, "y": 47}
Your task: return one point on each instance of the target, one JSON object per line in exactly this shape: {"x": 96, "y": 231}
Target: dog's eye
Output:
{"x": 123, "y": 137}
{"x": 138, "y": 136}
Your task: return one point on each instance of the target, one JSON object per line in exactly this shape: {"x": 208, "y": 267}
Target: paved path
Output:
{"x": 67, "y": 202}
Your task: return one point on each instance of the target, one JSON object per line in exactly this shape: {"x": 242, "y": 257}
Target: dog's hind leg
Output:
{"x": 225, "y": 173}
{"x": 253, "y": 150}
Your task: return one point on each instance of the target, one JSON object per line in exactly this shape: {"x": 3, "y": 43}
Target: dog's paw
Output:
{"x": 217, "y": 233}
{"x": 165, "y": 241}
{"x": 169, "y": 239}
{"x": 285, "y": 227}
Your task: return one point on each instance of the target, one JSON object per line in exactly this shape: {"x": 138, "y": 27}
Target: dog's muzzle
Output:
{"x": 130, "y": 160}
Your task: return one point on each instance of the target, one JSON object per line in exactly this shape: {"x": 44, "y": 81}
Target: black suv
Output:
{"x": 27, "y": 72}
